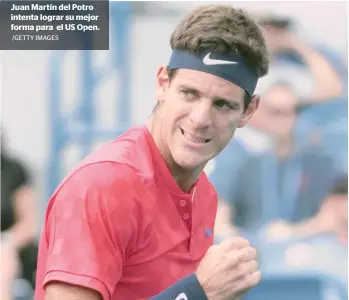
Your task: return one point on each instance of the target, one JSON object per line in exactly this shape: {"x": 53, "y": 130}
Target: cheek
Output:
{"x": 225, "y": 130}
{"x": 176, "y": 110}
{"x": 173, "y": 114}
{"x": 344, "y": 209}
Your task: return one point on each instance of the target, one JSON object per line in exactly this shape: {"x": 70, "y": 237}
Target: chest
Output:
{"x": 166, "y": 250}
{"x": 291, "y": 191}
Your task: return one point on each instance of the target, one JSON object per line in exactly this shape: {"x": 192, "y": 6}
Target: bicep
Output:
{"x": 60, "y": 290}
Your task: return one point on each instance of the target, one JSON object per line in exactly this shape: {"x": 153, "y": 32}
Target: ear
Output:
{"x": 250, "y": 110}
{"x": 162, "y": 83}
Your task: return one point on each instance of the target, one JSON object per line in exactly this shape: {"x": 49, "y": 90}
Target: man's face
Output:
{"x": 278, "y": 112}
{"x": 199, "y": 113}
{"x": 340, "y": 208}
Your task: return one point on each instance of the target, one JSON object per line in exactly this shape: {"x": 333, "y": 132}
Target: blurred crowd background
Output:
{"x": 282, "y": 181}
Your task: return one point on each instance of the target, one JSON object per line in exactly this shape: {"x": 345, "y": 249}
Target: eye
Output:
{"x": 223, "y": 104}
{"x": 186, "y": 93}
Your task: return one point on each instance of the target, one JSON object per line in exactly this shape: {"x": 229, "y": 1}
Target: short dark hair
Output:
{"x": 340, "y": 186}
{"x": 224, "y": 29}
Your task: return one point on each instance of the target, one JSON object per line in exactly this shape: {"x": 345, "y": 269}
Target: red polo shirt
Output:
{"x": 119, "y": 223}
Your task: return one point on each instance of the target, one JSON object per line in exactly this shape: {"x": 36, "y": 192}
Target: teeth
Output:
{"x": 193, "y": 139}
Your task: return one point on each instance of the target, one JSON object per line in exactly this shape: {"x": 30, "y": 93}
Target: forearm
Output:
{"x": 21, "y": 233}
{"x": 223, "y": 223}
{"x": 327, "y": 83}
{"x": 6, "y": 291}
{"x": 308, "y": 227}
{"x": 24, "y": 229}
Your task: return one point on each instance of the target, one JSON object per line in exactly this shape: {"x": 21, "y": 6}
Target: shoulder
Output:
{"x": 129, "y": 151}
{"x": 115, "y": 179}
{"x": 117, "y": 165}
{"x": 108, "y": 188}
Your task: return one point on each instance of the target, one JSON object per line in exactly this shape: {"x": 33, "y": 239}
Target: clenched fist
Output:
{"x": 229, "y": 270}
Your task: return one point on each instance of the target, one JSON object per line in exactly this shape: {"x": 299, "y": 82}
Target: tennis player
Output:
{"x": 135, "y": 219}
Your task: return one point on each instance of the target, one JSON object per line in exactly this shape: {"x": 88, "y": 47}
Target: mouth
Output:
{"x": 194, "y": 139}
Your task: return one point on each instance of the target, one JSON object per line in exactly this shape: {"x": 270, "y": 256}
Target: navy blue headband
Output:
{"x": 228, "y": 66}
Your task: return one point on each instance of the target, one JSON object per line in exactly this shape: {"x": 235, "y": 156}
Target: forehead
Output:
{"x": 208, "y": 84}
{"x": 279, "y": 96}
{"x": 340, "y": 197}
{"x": 278, "y": 92}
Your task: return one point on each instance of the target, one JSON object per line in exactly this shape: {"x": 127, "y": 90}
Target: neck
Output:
{"x": 283, "y": 147}
{"x": 185, "y": 178}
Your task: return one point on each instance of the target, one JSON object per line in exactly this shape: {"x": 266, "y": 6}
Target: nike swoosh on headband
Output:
{"x": 209, "y": 61}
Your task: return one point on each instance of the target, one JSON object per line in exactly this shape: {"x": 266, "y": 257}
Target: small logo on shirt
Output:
{"x": 208, "y": 231}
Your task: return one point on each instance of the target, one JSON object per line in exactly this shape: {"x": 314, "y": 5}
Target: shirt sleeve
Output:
{"x": 90, "y": 228}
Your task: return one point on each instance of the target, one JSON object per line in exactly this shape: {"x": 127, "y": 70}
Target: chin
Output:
{"x": 188, "y": 161}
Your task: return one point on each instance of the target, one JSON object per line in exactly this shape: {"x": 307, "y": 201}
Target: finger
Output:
{"x": 247, "y": 268}
{"x": 240, "y": 270}
{"x": 231, "y": 259}
{"x": 237, "y": 256}
{"x": 253, "y": 279}
{"x": 248, "y": 253}
{"x": 247, "y": 282}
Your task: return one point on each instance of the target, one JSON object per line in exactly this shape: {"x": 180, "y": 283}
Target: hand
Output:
{"x": 328, "y": 217}
{"x": 229, "y": 270}
{"x": 278, "y": 230}
{"x": 279, "y": 40}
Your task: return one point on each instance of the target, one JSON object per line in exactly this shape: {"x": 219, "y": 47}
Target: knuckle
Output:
{"x": 252, "y": 252}
{"x": 249, "y": 254}
{"x": 235, "y": 258}
{"x": 249, "y": 268}
{"x": 244, "y": 242}
{"x": 250, "y": 280}
{"x": 253, "y": 266}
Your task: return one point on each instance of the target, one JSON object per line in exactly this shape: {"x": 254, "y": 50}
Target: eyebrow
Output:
{"x": 190, "y": 89}
{"x": 232, "y": 102}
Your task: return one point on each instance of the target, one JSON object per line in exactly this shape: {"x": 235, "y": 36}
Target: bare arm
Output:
{"x": 223, "y": 225}
{"x": 60, "y": 290}
{"x": 327, "y": 83}
{"x": 9, "y": 266}
{"x": 24, "y": 230}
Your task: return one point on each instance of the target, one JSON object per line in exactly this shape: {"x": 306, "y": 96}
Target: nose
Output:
{"x": 200, "y": 115}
